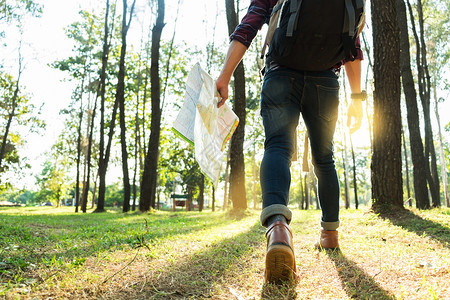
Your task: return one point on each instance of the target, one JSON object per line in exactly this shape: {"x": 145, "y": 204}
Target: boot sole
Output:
{"x": 280, "y": 264}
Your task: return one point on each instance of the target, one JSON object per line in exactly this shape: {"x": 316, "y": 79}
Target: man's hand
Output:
{"x": 355, "y": 112}
{"x": 222, "y": 89}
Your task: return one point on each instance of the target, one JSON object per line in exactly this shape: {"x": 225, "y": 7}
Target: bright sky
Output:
{"x": 46, "y": 42}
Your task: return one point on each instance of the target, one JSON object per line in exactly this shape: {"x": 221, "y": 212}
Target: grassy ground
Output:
{"x": 49, "y": 253}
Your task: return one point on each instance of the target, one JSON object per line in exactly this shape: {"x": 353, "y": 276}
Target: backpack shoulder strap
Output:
{"x": 349, "y": 29}
{"x": 293, "y": 18}
{"x": 273, "y": 24}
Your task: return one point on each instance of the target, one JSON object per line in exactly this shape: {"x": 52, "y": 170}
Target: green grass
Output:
{"x": 54, "y": 253}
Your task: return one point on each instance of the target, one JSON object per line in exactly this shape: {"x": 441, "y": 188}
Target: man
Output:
{"x": 287, "y": 93}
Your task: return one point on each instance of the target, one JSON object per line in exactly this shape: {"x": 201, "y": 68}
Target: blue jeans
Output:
{"x": 285, "y": 94}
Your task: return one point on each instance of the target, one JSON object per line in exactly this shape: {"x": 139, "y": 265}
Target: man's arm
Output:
{"x": 236, "y": 51}
{"x": 355, "y": 111}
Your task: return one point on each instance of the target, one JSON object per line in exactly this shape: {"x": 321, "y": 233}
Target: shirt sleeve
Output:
{"x": 257, "y": 14}
{"x": 359, "y": 54}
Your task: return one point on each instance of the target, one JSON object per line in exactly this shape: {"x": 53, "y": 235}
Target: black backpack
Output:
{"x": 313, "y": 35}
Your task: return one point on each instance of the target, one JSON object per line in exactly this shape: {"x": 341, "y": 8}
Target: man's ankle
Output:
{"x": 275, "y": 218}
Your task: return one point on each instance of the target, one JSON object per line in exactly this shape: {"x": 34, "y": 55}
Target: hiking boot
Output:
{"x": 328, "y": 240}
{"x": 280, "y": 259}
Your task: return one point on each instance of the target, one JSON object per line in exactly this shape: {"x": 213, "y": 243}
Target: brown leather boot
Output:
{"x": 280, "y": 258}
{"x": 328, "y": 240}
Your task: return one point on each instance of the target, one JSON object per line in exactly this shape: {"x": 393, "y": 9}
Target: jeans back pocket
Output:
{"x": 328, "y": 102}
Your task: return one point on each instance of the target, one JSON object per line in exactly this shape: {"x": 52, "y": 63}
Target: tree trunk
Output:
{"x": 89, "y": 152}
{"x": 213, "y": 204}
{"x": 313, "y": 188}
{"x": 386, "y": 161}
{"x": 142, "y": 143}
{"x": 406, "y": 169}
{"x": 120, "y": 96}
{"x": 417, "y": 155}
{"x": 149, "y": 177}
{"x": 237, "y": 166}
{"x": 346, "y": 176}
{"x": 137, "y": 133}
{"x": 433, "y": 183}
{"x": 201, "y": 197}
{"x": 94, "y": 193}
{"x": 441, "y": 150}
{"x": 307, "y": 192}
{"x": 227, "y": 178}
{"x": 136, "y": 146}
{"x": 305, "y": 169}
{"x": 80, "y": 122}
{"x": 302, "y": 194}
{"x": 254, "y": 177}
{"x": 355, "y": 185}
{"x": 426, "y": 103}
{"x": 104, "y": 167}
{"x": 102, "y": 162}
{"x": 84, "y": 196}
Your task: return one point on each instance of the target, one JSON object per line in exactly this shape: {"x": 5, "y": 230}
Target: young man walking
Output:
{"x": 286, "y": 93}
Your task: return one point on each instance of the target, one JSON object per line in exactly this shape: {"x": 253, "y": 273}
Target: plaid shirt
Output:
{"x": 258, "y": 14}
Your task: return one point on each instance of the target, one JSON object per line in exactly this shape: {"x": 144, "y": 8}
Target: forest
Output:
{"x": 99, "y": 198}
{"x": 124, "y": 99}
{"x": 125, "y": 96}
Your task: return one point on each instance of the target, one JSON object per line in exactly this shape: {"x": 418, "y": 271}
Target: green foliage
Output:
{"x": 114, "y": 195}
{"x": 437, "y": 34}
{"x": 177, "y": 164}
{"x": 15, "y": 104}
{"x": 15, "y": 10}
{"x": 87, "y": 35}
{"x": 447, "y": 127}
{"x": 54, "y": 179}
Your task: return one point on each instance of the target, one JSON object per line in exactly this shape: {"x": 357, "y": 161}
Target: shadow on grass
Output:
{"x": 409, "y": 221}
{"x": 196, "y": 276}
{"x": 356, "y": 283}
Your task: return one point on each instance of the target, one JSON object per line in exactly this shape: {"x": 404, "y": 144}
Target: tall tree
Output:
{"x": 346, "y": 159}
{"x": 201, "y": 196}
{"x": 213, "y": 204}
{"x": 237, "y": 165}
{"x": 227, "y": 180}
{"x": 355, "y": 183}
{"x": 417, "y": 155}
{"x": 441, "y": 150}
{"x": 82, "y": 67}
{"x": 306, "y": 171}
{"x": 120, "y": 96}
{"x": 84, "y": 197}
{"x": 149, "y": 177}
{"x": 103, "y": 159}
{"x": 80, "y": 123}
{"x": 408, "y": 189}
{"x": 425, "y": 97}
{"x": 437, "y": 32}
{"x": 387, "y": 186}
{"x": 137, "y": 135}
